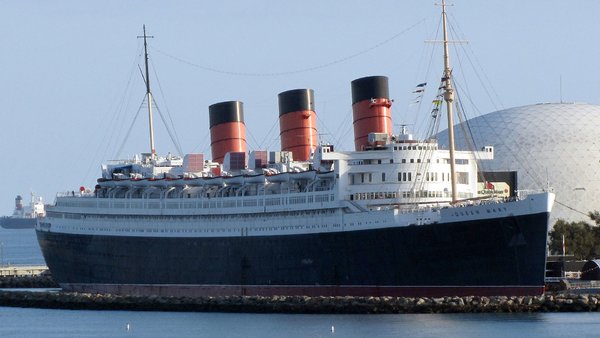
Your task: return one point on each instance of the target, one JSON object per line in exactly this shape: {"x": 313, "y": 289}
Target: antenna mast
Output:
{"x": 149, "y": 95}
{"x": 449, "y": 98}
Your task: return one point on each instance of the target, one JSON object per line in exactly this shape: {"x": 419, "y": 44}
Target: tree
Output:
{"x": 582, "y": 239}
{"x": 595, "y": 216}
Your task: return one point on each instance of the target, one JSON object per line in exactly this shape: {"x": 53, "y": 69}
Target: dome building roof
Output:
{"x": 554, "y": 144}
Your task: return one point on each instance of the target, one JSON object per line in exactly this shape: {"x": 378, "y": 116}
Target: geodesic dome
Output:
{"x": 553, "y": 144}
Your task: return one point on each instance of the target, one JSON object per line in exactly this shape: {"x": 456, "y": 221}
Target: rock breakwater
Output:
{"x": 296, "y": 304}
{"x": 36, "y": 281}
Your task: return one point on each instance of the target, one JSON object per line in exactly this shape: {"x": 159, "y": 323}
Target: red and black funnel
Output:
{"x": 370, "y": 108}
{"x": 298, "y": 123}
{"x": 227, "y": 129}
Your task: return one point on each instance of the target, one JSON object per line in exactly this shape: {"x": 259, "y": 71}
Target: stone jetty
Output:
{"x": 44, "y": 297}
{"x": 31, "y": 281}
{"x": 295, "y": 304}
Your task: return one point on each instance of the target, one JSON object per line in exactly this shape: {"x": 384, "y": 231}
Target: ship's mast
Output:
{"x": 449, "y": 98}
{"x": 149, "y": 96}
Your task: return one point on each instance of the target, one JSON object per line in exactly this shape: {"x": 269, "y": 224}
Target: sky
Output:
{"x": 70, "y": 83}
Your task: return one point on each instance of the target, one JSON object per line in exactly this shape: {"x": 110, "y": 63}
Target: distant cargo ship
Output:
{"x": 24, "y": 217}
{"x": 394, "y": 217}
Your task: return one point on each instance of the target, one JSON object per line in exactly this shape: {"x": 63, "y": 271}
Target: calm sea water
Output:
{"x": 20, "y": 247}
{"x": 17, "y": 322}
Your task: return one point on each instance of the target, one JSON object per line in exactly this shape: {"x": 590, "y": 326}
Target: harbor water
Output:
{"x": 17, "y": 322}
{"x": 20, "y": 247}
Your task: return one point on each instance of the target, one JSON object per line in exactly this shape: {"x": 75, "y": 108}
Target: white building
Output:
{"x": 555, "y": 144}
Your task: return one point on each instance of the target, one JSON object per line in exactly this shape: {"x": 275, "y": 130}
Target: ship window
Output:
{"x": 418, "y": 160}
{"x": 410, "y": 176}
{"x": 412, "y": 160}
{"x": 462, "y": 177}
{"x": 392, "y": 161}
{"x": 378, "y": 161}
{"x": 403, "y": 160}
{"x": 382, "y": 177}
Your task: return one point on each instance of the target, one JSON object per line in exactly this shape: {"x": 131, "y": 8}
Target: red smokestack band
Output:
{"x": 370, "y": 108}
{"x": 298, "y": 123}
{"x": 227, "y": 129}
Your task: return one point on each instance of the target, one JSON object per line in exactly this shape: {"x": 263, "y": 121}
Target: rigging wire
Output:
{"x": 248, "y": 132}
{"x": 467, "y": 131}
{"x": 485, "y": 82}
{"x": 114, "y": 123}
{"x": 341, "y": 132}
{"x": 468, "y": 135}
{"x": 268, "y": 134}
{"x": 117, "y": 124}
{"x": 130, "y": 127}
{"x": 174, "y": 137}
{"x": 527, "y": 167}
{"x": 205, "y": 143}
{"x": 587, "y": 214}
{"x": 169, "y": 131}
{"x": 296, "y": 71}
{"x": 421, "y": 123}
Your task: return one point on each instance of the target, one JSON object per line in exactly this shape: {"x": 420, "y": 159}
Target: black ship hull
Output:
{"x": 17, "y": 223}
{"x": 503, "y": 256}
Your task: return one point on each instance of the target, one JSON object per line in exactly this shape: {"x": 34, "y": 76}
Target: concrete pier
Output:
{"x": 22, "y": 270}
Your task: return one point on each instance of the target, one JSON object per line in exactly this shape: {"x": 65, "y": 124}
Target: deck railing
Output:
{"x": 271, "y": 202}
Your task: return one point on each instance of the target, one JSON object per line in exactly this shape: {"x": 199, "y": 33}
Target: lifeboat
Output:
{"x": 303, "y": 175}
{"x": 218, "y": 180}
{"x": 326, "y": 175}
{"x": 260, "y": 178}
{"x": 279, "y": 178}
{"x": 234, "y": 180}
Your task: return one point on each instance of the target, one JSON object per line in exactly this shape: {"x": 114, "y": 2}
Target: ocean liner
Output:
{"x": 394, "y": 217}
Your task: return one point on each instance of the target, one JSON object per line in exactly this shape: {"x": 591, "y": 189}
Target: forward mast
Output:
{"x": 148, "y": 94}
{"x": 449, "y": 98}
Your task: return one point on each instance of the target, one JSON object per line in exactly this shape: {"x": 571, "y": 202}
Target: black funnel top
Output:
{"x": 371, "y": 87}
{"x": 223, "y": 112}
{"x": 296, "y": 100}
